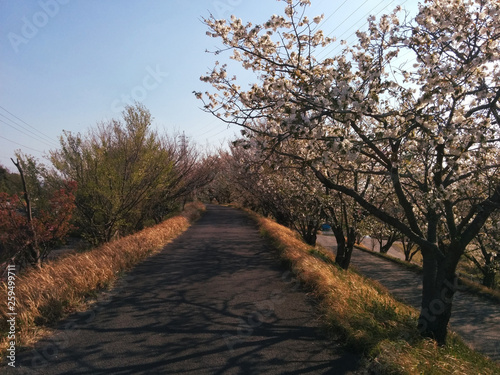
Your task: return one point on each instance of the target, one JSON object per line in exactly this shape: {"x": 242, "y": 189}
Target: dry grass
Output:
{"x": 368, "y": 319}
{"x": 45, "y": 295}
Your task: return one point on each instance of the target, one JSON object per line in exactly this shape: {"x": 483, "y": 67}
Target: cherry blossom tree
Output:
{"x": 414, "y": 105}
{"x": 484, "y": 251}
{"x": 281, "y": 190}
{"x": 385, "y": 235}
{"x": 275, "y": 186}
{"x": 345, "y": 217}
{"x": 409, "y": 249}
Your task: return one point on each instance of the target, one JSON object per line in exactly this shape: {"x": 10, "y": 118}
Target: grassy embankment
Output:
{"x": 470, "y": 276}
{"x": 364, "y": 315}
{"x": 466, "y": 284}
{"x": 66, "y": 285}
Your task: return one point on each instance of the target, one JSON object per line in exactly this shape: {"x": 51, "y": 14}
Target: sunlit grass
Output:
{"x": 368, "y": 319}
{"x": 45, "y": 295}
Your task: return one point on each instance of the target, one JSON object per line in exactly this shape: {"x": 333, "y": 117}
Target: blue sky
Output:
{"x": 69, "y": 64}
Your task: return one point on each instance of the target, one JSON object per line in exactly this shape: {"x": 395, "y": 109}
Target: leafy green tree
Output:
{"x": 120, "y": 166}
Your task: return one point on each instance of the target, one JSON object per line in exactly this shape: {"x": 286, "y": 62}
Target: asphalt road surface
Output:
{"x": 214, "y": 301}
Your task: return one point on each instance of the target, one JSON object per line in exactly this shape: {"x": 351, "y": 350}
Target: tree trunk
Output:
{"x": 310, "y": 238}
{"x": 344, "y": 246}
{"x": 439, "y": 286}
{"x": 489, "y": 276}
{"x": 408, "y": 249}
{"x": 340, "y": 257}
{"x": 309, "y": 233}
{"x": 384, "y": 249}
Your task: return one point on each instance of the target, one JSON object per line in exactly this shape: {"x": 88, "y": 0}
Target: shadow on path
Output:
{"x": 214, "y": 301}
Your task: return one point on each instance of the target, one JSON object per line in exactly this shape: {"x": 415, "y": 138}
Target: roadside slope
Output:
{"x": 475, "y": 318}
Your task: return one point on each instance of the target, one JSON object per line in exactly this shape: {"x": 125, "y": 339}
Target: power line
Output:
{"x": 211, "y": 128}
{"x": 348, "y": 17}
{"x": 222, "y": 131}
{"x": 13, "y": 127}
{"x": 19, "y": 144}
{"x": 24, "y": 122}
{"x": 331, "y": 15}
{"x": 326, "y": 50}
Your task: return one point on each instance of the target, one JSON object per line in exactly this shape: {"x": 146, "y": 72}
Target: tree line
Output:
{"x": 118, "y": 178}
{"x": 403, "y": 127}
{"x": 397, "y": 135}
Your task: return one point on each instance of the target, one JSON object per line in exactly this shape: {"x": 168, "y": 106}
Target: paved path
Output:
{"x": 475, "y": 318}
{"x": 214, "y": 301}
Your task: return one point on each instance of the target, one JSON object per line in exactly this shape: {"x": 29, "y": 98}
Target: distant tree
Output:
{"x": 127, "y": 174}
{"x": 383, "y": 234}
{"x": 409, "y": 248}
{"x": 191, "y": 171}
{"x": 221, "y": 188}
{"x": 281, "y": 192}
{"x": 345, "y": 218}
{"x": 119, "y": 166}
{"x": 9, "y": 182}
{"x": 484, "y": 251}
{"x": 37, "y": 220}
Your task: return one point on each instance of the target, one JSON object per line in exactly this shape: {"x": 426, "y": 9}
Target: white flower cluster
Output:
{"x": 429, "y": 137}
